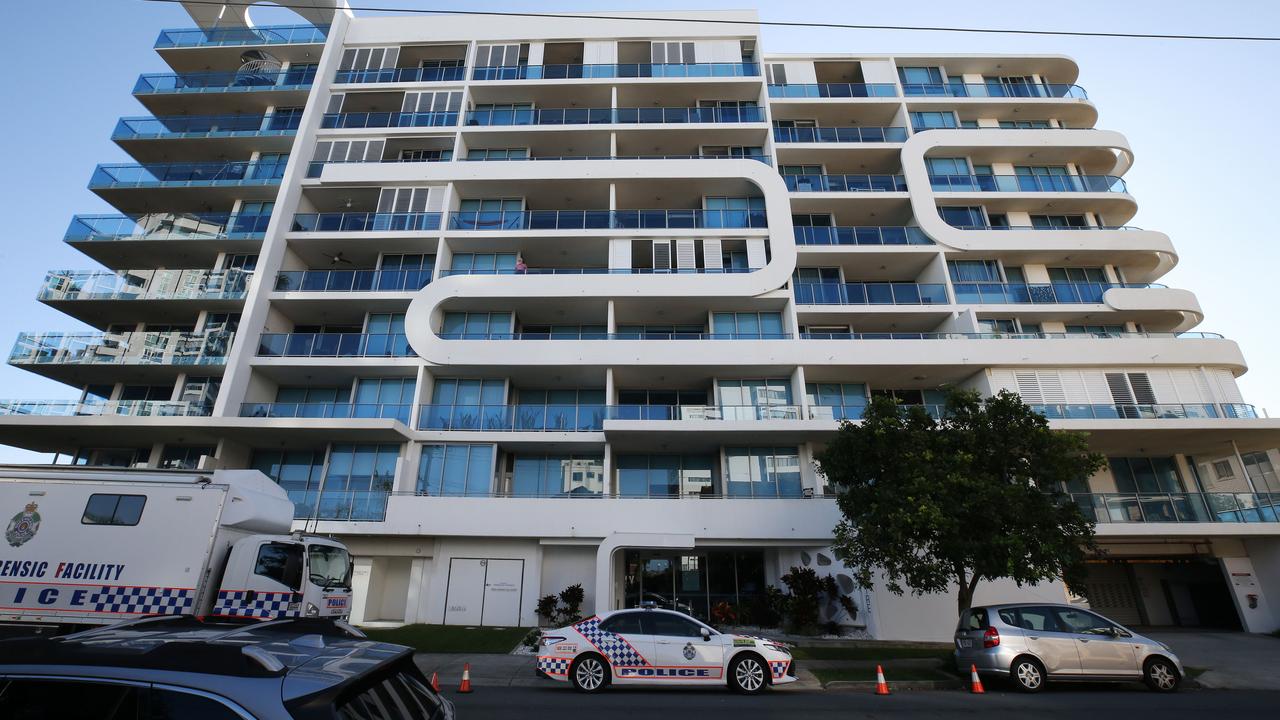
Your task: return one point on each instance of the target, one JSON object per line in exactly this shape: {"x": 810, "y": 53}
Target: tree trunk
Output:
{"x": 965, "y": 588}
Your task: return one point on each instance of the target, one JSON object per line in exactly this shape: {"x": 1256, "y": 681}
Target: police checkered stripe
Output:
{"x": 554, "y": 665}
{"x": 233, "y": 603}
{"x": 142, "y": 600}
{"x": 612, "y": 646}
{"x": 778, "y": 667}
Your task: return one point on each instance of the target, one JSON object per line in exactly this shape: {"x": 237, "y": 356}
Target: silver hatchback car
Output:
{"x": 1032, "y": 644}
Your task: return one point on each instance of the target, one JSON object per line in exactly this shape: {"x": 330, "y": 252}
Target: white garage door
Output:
{"x": 484, "y": 591}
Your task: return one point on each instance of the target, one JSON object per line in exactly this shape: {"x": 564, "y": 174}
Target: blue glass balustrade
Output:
{"x": 352, "y": 280}
{"x": 234, "y": 81}
{"x": 823, "y": 90}
{"x": 1008, "y": 336}
{"x": 618, "y": 70}
{"x": 1241, "y": 507}
{"x": 365, "y": 222}
{"x": 166, "y": 226}
{"x": 97, "y": 406}
{"x": 354, "y": 120}
{"x": 860, "y": 235}
{"x": 340, "y": 411}
{"x": 397, "y": 75}
{"x": 995, "y": 90}
{"x": 1037, "y": 293}
{"x": 339, "y": 505}
{"x": 605, "y": 116}
{"x": 606, "y": 219}
{"x": 61, "y": 285}
{"x": 601, "y": 335}
{"x": 839, "y": 134}
{"x": 845, "y": 183}
{"x": 1027, "y": 183}
{"x": 1162, "y": 411}
{"x": 134, "y": 348}
{"x": 875, "y": 293}
{"x": 233, "y": 36}
{"x": 596, "y": 271}
{"x": 247, "y": 172}
{"x": 184, "y": 126}
{"x": 334, "y": 345}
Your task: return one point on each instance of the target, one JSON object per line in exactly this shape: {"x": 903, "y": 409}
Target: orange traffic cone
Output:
{"x": 435, "y": 682}
{"x": 882, "y": 687}
{"x": 465, "y": 687}
{"x": 975, "y": 683}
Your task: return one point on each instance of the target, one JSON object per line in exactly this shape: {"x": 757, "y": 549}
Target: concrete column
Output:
{"x": 415, "y": 609}
{"x": 361, "y": 576}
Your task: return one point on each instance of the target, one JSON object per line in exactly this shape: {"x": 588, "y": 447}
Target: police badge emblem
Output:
{"x": 689, "y": 652}
{"x": 23, "y": 526}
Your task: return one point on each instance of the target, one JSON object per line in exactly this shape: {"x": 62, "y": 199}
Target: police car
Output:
{"x": 659, "y": 647}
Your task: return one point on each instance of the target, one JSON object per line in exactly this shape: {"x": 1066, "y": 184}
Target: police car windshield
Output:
{"x": 329, "y": 566}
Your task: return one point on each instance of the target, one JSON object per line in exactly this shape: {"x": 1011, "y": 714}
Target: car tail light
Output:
{"x": 990, "y": 637}
{"x": 549, "y": 640}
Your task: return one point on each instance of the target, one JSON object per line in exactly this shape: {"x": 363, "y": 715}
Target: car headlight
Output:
{"x": 778, "y": 647}
{"x": 312, "y": 610}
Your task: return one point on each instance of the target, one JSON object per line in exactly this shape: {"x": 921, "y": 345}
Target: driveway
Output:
{"x": 1236, "y": 660}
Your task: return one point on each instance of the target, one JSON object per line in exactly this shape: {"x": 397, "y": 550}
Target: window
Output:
{"x": 933, "y": 120}
{"x": 483, "y": 263}
{"x": 1258, "y": 466}
{"x": 974, "y": 619}
{"x": 408, "y": 261}
{"x": 400, "y": 695}
{"x": 498, "y": 153}
{"x": 671, "y": 53}
{"x": 1096, "y": 330}
{"x": 754, "y": 393}
{"x": 1077, "y": 275}
{"x": 24, "y": 699}
{"x": 623, "y": 624}
{"x": 1032, "y": 618}
{"x": 347, "y": 151}
{"x": 557, "y": 475}
{"x": 184, "y": 457}
{"x": 947, "y": 166}
{"x": 816, "y": 275}
{"x": 919, "y": 76}
{"x": 385, "y": 323}
{"x": 177, "y": 705}
{"x": 666, "y": 475}
{"x": 297, "y": 471}
{"x": 835, "y": 394}
{"x": 970, "y": 217}
{"x": 1059, "y": 221}
{"x": 369, "y": 58}
{"x": 501, "y": 55}
{"x": 1080, "y": 622}
{"x": 970, "y": 271}
{"x": 108, "y": 509}
{"x": 660, "y": 623}
{"x": 281, "y": 562}
{"x": 1146, "y": 475}
{"x": 476, "y": 325}
{"x": 762, "y": 472}
{"x": 444, "y": 103}
{"x": 1026, "y": 124}
{"x": 456, "y": 469}
{"x": 360, "y": 468}
{"x": 775, "y": 74}
{"x": 747, "y": 324}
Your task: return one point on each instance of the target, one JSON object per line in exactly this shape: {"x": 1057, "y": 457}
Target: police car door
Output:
{"x": 681, "y": 651}
{"x": 622, "y": 640}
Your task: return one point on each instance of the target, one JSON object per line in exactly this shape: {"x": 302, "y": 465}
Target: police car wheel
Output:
{"x": 589, "y": 673}
{"x": 747, "y": 674}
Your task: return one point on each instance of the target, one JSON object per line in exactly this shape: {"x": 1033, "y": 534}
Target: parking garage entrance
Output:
{"x": 713, "y": 586}
{"x": 1178, "y": 592}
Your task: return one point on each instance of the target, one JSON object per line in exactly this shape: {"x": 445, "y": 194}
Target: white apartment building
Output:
{"x": 514, "y": 303}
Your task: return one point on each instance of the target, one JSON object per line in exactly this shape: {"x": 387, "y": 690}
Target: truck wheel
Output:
{"x": 748, "y": 674}
{"x": 589, "y": 673}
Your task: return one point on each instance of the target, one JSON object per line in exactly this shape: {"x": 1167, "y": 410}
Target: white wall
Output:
{"x": 565, "y": 565}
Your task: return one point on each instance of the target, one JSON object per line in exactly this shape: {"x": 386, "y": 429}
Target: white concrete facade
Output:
{"x": 544, "y": 301}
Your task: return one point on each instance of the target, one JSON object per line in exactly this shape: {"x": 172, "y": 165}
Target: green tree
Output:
{"x": 970, "y": 496}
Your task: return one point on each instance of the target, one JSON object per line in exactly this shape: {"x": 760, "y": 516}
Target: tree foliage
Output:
{"x": 973, "y": 495}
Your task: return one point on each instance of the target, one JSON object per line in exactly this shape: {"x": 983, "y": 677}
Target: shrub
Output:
{"x": 531, "y": 640}
{"x": 572, "y": 598}
{"x": 724, "y": 614}
{"x": 765, "y": 609}
{"x": 805, "y": 600}
{"x": 547, "y": 608}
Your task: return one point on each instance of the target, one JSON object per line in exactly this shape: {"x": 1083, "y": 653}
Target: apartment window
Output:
{"x": 184, "y": 457}
{"x": 408, "y": 155}
{"x": 747, "y": 324}
{"x": 966, "y": 217}
{"x": 483, "y": 263}
{"x": 1131, "y": 389}
{"x": 1096, "y": 330}
{"x": 369, "y": 58}
{"x": 662, "y": 398}
{"x": 813, "y": 220}
{"x": 247, "y": 262}
{"x": 666, "y": 475}
{"x": 1026, "y": 124}
{"x": 762, "y": 472}
{"x": 732, "y": 151}
{"x": 947, "y": 166}
{"x": 489, "y": 56}
{"x": 1258, "y": 466}
{"x": 408, "y": 261}
{"x": 385, "y": 391}
{"x": 1059, "y": 221}
{"x": 476, "y": 325}
{"x": 671, "y": 53}
{"x": 111, "y": 509}
{"x": 660, "y": 332}
{"x": 360, "y": 468}
{"x": 385, "y": 324}
{"x": 970, "y": 271}
{"x": 836, "y": 394}
{"x": 998, "y": 325}
{"x": 920, "y": 75}
{"x": 456, "y": 469}
{"x": 1077, "y": 275}
{"x": 1146, "y": 475}
{"x": 347, "y": 151}
{"x": 754, "y": 392}
{"x": 911, "y": 396}
{"x": 439, "y": 101}
{"x": 451, "y": 391}
{"x": 498, "y": 154}
{"x": 297, "y": 471}
{"x": 775, "y": 73}
{"x": 816, "y": 275}
{"x": 557, "y": 475}
{"x": 933, "y": 120}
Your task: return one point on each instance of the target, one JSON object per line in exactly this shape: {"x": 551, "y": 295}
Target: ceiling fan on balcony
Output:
{"x": 337, "y": 259}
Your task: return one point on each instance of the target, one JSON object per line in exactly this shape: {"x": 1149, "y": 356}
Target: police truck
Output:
{"x": 91, "y": 546}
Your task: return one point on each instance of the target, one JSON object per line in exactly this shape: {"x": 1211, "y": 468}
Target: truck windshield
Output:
{"x": 329, "y": 566}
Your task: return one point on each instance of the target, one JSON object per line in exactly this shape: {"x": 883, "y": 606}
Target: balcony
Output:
{"x": 402, "y": 75}
{"x": 600, "y": 335}
{"x": 327, "y": 411}
{"x": 607, "y": 219}
{"x": 608, "y": 116}
{"x": 352, "y": 280}
{"x": 345, "y": 345}
{"x": 1027, "y": 183}
{"x": 131, "y": 408}
{"x": 166, "y": 226}
{"x": 131, "y": 348}
{"x": 237, "y": 36}
{"x": 365, "y": 222}
{"x": 623, "y": 70}
{"x": 358, "y": 120}
{"x": 223, "y": 82}
{"x": 207, "y": 126}
{"x": 586, "y": 418}
{"x": 884, "y": 293}
{"x": 1038, "y": 294}
{"x": 839, "y": 135}
{"x": 834, "y": 90}
{"x": 1179, "y": 507}
{"x": 860, "y": 235}
{"x": 1046, "y": 227}
{"x": 1009, "y": 336}
{"x": 183, "y": 175}
{"x": 67, "y": 285}
{"x": 596, "y": 271}
{"x": 845, "y": 183}
{"x": 994, "y": 90}
{"x": 1147, "y": 412}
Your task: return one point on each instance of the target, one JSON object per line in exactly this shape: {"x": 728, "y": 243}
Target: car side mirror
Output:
{"x": 706, "y": 634}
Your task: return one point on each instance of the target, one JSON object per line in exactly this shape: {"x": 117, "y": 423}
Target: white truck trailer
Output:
{"x": 91, "y": 546}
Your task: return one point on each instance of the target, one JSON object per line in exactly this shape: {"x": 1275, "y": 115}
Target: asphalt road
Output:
{"x": 1092, "y": 702}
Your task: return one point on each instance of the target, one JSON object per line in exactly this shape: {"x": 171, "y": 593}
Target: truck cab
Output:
{"x": 274, "y": 576}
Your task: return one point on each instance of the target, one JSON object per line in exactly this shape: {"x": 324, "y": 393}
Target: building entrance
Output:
{"x": 713, "y": 586}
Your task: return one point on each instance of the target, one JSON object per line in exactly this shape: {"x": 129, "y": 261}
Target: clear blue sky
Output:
{"x": 1195, "y": 113}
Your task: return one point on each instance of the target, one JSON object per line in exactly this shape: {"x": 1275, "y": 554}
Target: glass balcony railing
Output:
{"x": 855, "y": 411}
{"x": 845, "y": 183}
{"x": 1045, "y": 227}
{"x": 166, "y": 226}
{"x": 1008, "y": 336}
{"x": 365, "y": 222}
{"x": 620, "y": 70}
{"x": 235, "y": 36}
{"x": 1027, "y": 183}
{"x": 131, "y": 348}
{"x": 605, "y": 116}
{"x": 595, "y": 271}
{"x": 339, "y": 505}
{"x": 402, "y": 75}
{"x": 334, "y": 345}
{"x": 234, "y": 81}
{"x": 198, "y": 174}
{"x": 207, "y": 126}
{"x": 327, "y": 411}
{"x": 835, "y": 293}
{"x": 61, "y": 285}
{"x": 860, "y": 235}
{"x": 607, "y": 219}
{"x": 995, "y": 90}
{"x": 133, "y": 408}
{"x": 352, "y": 280}
{"x": 767, "y": 160}
{"x": 585, "y": 418}
{"x": 731, "y": 413}
{"x": 570, "y": 334}
{"x": 1047, "y": 293}
{"x": 1162, "y": 411}
{"x": 839, "y": 134}
{"x": 1179, "y": 507}
{"x": 356, "y": 120}
{"x": 833, "y": 90}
